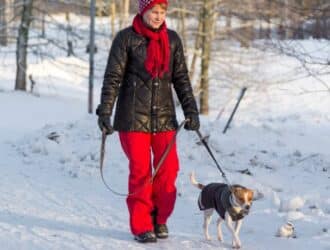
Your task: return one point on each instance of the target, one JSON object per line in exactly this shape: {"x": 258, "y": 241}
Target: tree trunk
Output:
{"x": 126, "y": 12}
{"x": 196, "y": 48}
{"x": 4, "y": 8}
{"x": 282, "y": 29}
{"x": 228, "y": 24}
{"x": 207, "y": 20}
{"x": 43, "y": 26}
{"x": 269, "y": 18}
{"x": 69, "y": 42}
{"x": 248, "y": 27}
{"x": 317, "y": 31}
{"x": 326, "y": 21}
{"x": 113, "y": 18}
{"x": 22, "y": 45}
{"x": 182, "y": 24}
{"x": 325, "y": 30}
{"x": 99, "y": 7}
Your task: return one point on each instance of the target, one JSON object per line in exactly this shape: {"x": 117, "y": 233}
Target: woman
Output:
{"x": 145, "y": 61}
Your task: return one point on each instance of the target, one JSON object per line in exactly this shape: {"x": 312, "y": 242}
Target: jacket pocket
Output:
{"x": 171, "y": 97}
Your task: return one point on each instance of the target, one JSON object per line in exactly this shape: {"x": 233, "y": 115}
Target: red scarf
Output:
{"x": 158, "y": 51}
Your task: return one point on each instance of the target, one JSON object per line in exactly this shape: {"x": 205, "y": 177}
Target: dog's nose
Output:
{"x": 247, "y": 207}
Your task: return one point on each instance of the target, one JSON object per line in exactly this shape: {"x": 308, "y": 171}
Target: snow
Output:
{"x": 52, "y": 196}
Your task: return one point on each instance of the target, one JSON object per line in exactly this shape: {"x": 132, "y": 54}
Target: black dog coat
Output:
{"x": 217, "y": 196}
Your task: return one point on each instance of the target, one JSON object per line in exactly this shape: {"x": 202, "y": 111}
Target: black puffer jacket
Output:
{"x": 144, "y": 104}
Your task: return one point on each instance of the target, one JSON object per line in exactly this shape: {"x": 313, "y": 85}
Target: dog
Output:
{"x": 232, "y": 203}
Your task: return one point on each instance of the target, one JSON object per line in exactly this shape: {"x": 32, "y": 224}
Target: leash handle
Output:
{"x": 102, "y": 153}
{"x": 202, "y": 138}
{"x": 167, "y": 150}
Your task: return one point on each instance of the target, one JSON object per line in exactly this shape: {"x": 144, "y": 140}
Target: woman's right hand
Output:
{"x": 104, "y": 124}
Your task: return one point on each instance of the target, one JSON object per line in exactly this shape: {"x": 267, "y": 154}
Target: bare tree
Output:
{"x": 113, "y": 18}
{"x": 124, "y": 12}
{"x": 22, "y": 45}
{"x": 68, "y": 34}
{"x": 5, "y": 12}
{"x": 208, "y": 21}
{"x": 196, "y": 47}
{"x": 182, "y": 24}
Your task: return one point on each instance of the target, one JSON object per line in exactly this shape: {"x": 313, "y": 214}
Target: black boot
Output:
{"x": 161, "y": 230}
{"x": 146, "y": 237}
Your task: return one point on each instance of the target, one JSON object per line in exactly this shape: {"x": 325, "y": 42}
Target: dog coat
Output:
{"x": 217, "y": 196}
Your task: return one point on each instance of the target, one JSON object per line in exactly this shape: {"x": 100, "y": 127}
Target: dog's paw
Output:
{"x": 236, "y": 245}
{"x": 220, "y": 238}
{"x": 208, "y": 238}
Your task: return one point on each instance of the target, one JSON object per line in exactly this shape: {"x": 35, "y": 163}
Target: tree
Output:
{"x": 5, "y": 7}
{"x": 124, "y": 13}
{"x": 22, "y": 45}
{"x": 208, "y": 21}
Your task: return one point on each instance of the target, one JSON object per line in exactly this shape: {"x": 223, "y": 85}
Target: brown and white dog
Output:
{"x": 231, "y": 202}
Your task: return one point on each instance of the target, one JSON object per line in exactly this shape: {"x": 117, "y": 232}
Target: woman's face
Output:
{"x": 155, "y": 17}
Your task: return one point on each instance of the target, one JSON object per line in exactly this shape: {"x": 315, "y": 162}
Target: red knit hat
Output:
{"x": 145, "y": 5}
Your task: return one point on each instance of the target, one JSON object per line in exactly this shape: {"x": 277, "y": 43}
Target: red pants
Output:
{"x": 160, "y": 194}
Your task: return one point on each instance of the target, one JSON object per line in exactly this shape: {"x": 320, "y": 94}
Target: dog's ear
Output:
{"x": 240, "y": 191}
{"x": 250, "y": 194}
{"x": 236, "y": 188}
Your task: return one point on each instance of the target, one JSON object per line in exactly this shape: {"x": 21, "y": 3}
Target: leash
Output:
{"x": 212, "y": 156}
{"x": 167, "y": 150}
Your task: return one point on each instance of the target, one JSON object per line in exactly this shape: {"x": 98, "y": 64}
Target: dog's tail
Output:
{"x": 194, "y": 182}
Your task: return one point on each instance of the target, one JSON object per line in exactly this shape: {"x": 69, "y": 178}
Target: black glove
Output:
{"x": 192, "y": 122}
{"x": 104, "y": 124}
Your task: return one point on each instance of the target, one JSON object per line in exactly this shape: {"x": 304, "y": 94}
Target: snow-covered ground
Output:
{"x": 52, "y": 196}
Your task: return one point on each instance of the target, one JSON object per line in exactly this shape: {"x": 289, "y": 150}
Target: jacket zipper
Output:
{"x": 154, "y": 97}
{"x": 133, "y": 109}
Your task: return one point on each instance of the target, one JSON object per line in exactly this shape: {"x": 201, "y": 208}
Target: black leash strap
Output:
{"x": 167, "y": 150}
{"x": 211, "y": 154}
